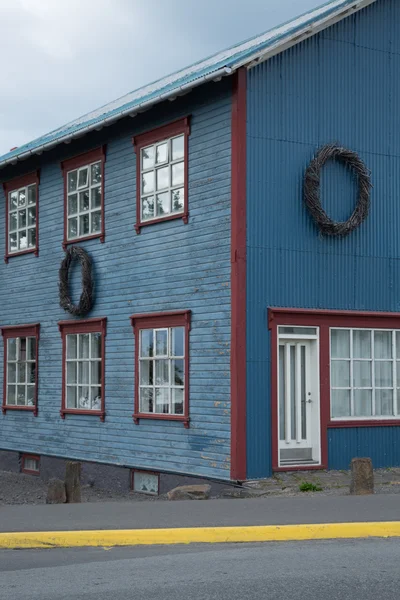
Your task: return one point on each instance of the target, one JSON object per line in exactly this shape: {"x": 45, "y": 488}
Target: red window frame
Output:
{"x": 324, "y": 320}
{"x": 10, "y": 186}
{"x": 96, "y": 325}
{"x": 98, "y": 154}
{"x": 179, "y": 318}
{"x": 29, "y": 471}
{"x": 182, "y": 126}
{"x": 14, "y": 331}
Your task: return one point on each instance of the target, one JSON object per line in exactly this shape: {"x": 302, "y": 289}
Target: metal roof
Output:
{"x": 223, "y": 63}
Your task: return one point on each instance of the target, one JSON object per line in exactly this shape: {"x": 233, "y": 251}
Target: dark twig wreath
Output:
{"x": 312, "y": 190}
{"x": 86, "y": 299}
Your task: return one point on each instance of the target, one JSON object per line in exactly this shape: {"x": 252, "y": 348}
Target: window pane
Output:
{"x": 177, "y": 200}
{"x": 362, "y": 376}
{"x": 148, "y": 208}
{"x": 148, "y": 157}
{"x": 177, "y": 372}
{"x": 71, "y": 372}
{"x": 83, "y": 397}
{"x": 340, "y": 403}
{"x": 32, "y": 238}
{"x": 32, "y": 194}
{"x": 162, "y": 372}
{"x": 71, "y": 397}
{"x": 72, "y": 228}
{"x": 340, "y": 373}
{"x": 22, "y": 240}
{"x": 13, "y": 242}
{"x": 13, "y": 221}
{"x": 178, "y": 174}
{"x": 84, "y": 200}
{"x": 146, "y": 400}
{"x": 12, "y": 349}
{"x": 177, "y": 341}
{"x": 96, "y": 372}
{"x": 96, "y": 222}
{"x": 32, "y": 215}
{"x": 178, "y": 147}
{"x": 71, "y": 346}
{"x": 361, "y": 344}
{"x": 161, "y": 342}
{"x": 177, "y": 401}
{"x": 21, "y": 198}
{"x": 383, "y": 403}
{"x": 398, "y": 344}
{"x": 72, "y": 204}
{"x": 84, "y": 225}
{"x": 162, "y": 153}
{"x": 298, "y": 330}
{"x": 84, "y": 345}
{"x": 383, "y": 374}
{"x": 83, "y": 177}
{"x": 398, "y": 375}
{"x": 340, "y": 343}
{"x": 148, "y": 182}
{"x": 11, "y": 397}
{"x": 96, "y": 398}
{"x": 162, "y": 178}
{"x": 162, "y": 400}
{"x": 146, "y": 372}
{"x": 12, "y": 373}
{"x": 163, "y": 205}
{"x": 96, "y": 197}
{"x": 30, "y": 395}
{"x": 83, "y": 372}
{"x": 96, "y": 345}
{"x": 362, "y": 403}
{"x": 13, "y": 200}
{"x": 21, "y": 372}
{"x": 21, "y": 399}
{"x": 96, "y": 173}
{"x": 21, "y": 218}
{"x": 383, "y": 344}
{"x": 31, "y": 372}
{"x": 72, "y": 180}
{"x": 146, "y": 342}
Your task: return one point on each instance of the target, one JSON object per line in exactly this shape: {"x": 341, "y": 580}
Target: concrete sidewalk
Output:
{"x": 261, "y": 519}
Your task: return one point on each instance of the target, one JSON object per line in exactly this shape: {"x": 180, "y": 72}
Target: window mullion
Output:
{"x": 373, "y": 370}
{"x": 351, "y": 376}
{"x": 394, "y": 374}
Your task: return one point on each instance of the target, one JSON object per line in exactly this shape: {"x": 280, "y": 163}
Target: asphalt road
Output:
{"x": 327, "y": 570}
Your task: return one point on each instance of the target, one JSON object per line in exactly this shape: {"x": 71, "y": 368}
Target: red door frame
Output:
{"x": 324, "y": 320}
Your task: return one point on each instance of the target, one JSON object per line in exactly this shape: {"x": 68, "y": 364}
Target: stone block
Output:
{"x": 190, "y": 492}
{"x": 73, "y": 481}
{"x": 56, "y": 492}
{"x": 362, "y": 477}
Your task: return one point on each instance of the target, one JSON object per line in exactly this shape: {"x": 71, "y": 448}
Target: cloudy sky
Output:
{"x": 61, "y": 59}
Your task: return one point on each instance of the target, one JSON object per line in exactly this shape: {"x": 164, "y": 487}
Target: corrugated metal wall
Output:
{"x": 342, "y": 85}
{"x": 169, "y": 266}
{"x": 381, "y": 444}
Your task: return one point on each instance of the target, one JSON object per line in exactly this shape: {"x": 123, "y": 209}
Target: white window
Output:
{"x": 22, "y": 219}
{"x": 84, "y": 201}
{"x": 162, "y": 370}
{"x": 365, "y": 373}
{"x": 21, "y": 371}
{"x": 84, "y": 371}
{"x": 162, "y": 178}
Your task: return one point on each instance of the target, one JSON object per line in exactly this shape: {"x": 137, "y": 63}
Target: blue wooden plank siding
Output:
{"x": 169, "y": 266}
{"x": 341, "y": 85}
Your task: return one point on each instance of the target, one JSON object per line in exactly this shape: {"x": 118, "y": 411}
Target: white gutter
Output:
{"x": 66, "y": 139}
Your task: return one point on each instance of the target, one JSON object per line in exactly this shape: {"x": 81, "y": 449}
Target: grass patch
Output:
{"x": 307, "y": 486}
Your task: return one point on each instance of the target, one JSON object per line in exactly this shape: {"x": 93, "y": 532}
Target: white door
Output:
{"x": 298, "y": 394}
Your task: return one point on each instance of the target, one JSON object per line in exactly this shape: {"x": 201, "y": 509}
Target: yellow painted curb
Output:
{"x": 205, "y": 535}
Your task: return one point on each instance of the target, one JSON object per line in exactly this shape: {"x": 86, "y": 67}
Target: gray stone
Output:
{"x": 190, "y": 492}
{"x": 73, "y": 481}
{"x": 362, "y": 477}
{"x": 56, "y": 492}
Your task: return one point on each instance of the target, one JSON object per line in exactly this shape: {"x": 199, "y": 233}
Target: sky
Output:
{"x": 62, "y": 59}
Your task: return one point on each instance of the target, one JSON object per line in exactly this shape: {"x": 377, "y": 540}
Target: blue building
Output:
{"x": 233, "y": 328}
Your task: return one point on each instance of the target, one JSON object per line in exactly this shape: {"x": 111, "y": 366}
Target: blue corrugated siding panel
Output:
{"x": 169, "y": 266}
{"x": 381, "y": 444}
{"x": 342, "y": 85}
